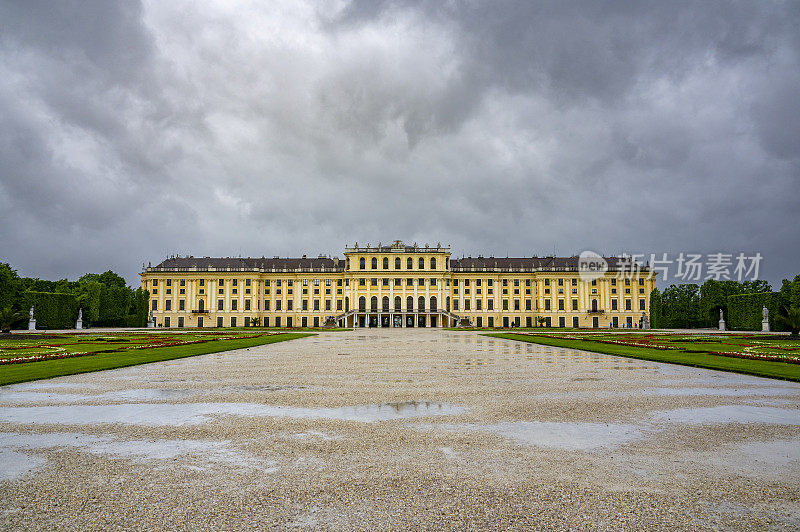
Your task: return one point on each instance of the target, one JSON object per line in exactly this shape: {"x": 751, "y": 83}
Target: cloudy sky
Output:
{"x": 130, "y": 131}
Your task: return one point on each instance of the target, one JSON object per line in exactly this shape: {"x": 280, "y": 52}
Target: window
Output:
{"x": 168, "y": 304}
{"x": 362, "y": 303}
{"x": 527, "y": 304}
{"x": 362, "y": 282}
{"x": 183, "y": 282}
{"x": 433, "y": 303}
{"x": 385, "y": 303}
{"x": 547, "y": 304}
{"x": 385, "y": 263}
{"x": 246, "y": 282}
{"x": 561, "y": 282}
{"x": 478, "y": 305}
{"x": 409, "y": 303}
{"x": 374, "y": 263}
{"x": 397, "y": 281}
{"x": 490, "y": 304}
{"x": 220, "y": 304}
{"x": 155, "y": 282}
{"x": 373, "y": 303}
{"x": 305, "y": 304}
{"x": 397, "y": 263}
{"x": 397, "y": 303}
{"x": 627, "y": 304}
{"x": 289, "y": 304}
{"x": 182, "y": 304}
{"x": 466, "y": 304}
{"x": 455, "y": 304}
{"x": 641, "y": 304}
{"x": 560, "y": 304}
{"x": 385, "y": 281}
{"x": 278, "y": 304}
{"x": 505, "y": 304}
{"x": 155, "y": 291}
{"x": 338, "y": 304}
{"x": 234, "y": 305}
{"x": 421, "y": 281}
{"x": 233, "y": 321}
{"x": 574, "y": 304}
{"x": 266, "y": 304}
{"x": 547, "y": 282}
{"x": 409, "y": 282}
{"x": 489, "y": 282}
{"x": 235, "y": 282}
{"x": 433, "y": 263}
{"x": 316, "y": 305}
{"x": 180, "y": 321}
{"x": 516, "y": 304}
{"x": 362, "y": 263}
{"x": 409, "y": 264}
{"x": 433, "y": 281}
{"x": 373, "y": 281}
{"x": 421, "y": 303}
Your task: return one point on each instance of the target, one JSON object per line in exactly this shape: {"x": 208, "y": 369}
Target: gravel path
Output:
{"x": 401, "y": 429}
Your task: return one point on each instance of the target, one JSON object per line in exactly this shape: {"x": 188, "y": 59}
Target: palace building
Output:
{"x": 396, "y": 285}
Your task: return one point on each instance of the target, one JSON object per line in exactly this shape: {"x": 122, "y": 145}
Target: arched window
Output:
{"x": 373, "y": 303}
{"x": 421, "y": 263}
{"x": 385, "y": 263}
{"x": 397, "y": 303}
{"x": 362, "y": 303}
{"x": 201, "y": 305}
{"x": 409, "y": 302}
{"x": 421, "y": 303}
{"x": 385, "y": 302}
{"x": 397, "y": 263}
{"x": 433, "y": 263}
{"x": 362, "y": 263}
{"x": 409, "y": 264}
{"x": 347, "y": 304}
{"x": 433, "y": 303}
{"x": 374, "y": 263}
{"x": 447, "y": 302}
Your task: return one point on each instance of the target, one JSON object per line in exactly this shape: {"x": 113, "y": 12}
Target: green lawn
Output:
{"x": 703, "y": 351}
{"x": 116, "y": 350}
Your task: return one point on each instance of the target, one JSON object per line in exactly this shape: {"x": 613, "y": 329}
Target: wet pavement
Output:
{"x": 396, "y": 429}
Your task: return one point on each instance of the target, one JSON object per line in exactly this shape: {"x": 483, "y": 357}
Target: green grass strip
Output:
{"x": 46, "y": 369}
{"x": 760, "y": 368}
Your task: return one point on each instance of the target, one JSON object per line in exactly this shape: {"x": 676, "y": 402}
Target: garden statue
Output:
{"x": 764, "y": 319}
{"x": 79, "y": 323}
{"x": 151, "y": 321}
{"x": 31, "y": 321}
{"x": 721, "y": 321}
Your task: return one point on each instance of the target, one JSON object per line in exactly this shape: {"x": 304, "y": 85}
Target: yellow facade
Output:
{"x": 394, "y": 286}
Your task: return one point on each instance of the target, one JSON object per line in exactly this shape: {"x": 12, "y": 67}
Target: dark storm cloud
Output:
{"x": 128, "y": 131}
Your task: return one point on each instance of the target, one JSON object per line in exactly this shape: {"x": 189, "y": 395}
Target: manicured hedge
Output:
{"x": 744, "y": 311}
{"x": 51, "y": 310}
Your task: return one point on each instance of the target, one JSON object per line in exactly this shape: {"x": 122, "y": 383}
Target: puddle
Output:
{"x": 566, "y": 436}
{"x": 134, "y": 395}
{"x": 730, "y": 414}
{"x": 170, "y": 414}
{"x": 721, "y": 392}
{"x": 16, "y": 464}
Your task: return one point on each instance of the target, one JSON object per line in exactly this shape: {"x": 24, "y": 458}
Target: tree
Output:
{"x": 792, "y": 320}
{"x": 656, "y": 310}
{"x": 8, "y": 317}
{"x": 9, "y": 285}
